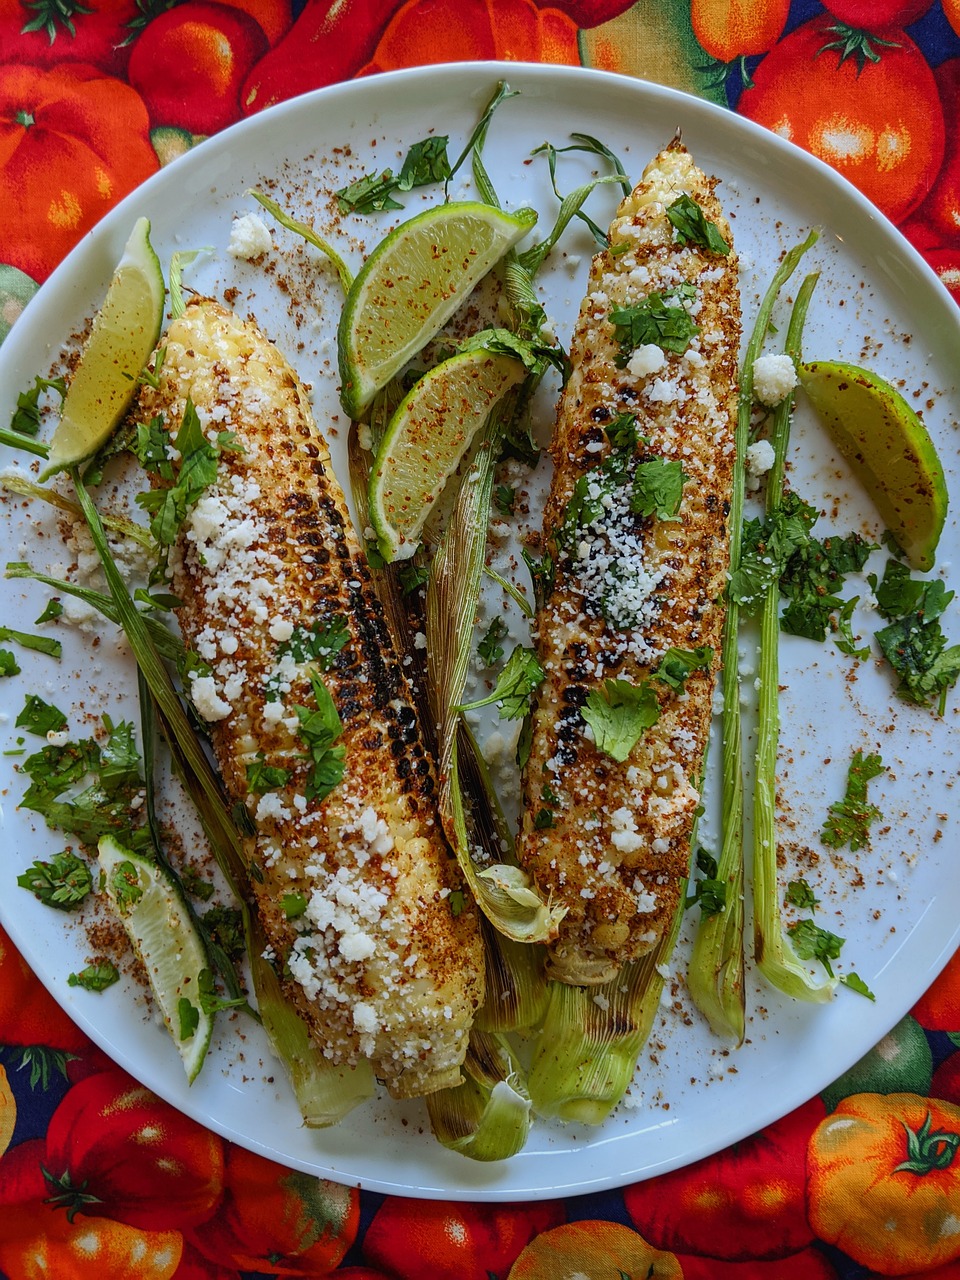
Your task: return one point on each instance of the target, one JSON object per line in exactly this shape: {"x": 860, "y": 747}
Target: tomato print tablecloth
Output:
{"x": 100, "y": 1178}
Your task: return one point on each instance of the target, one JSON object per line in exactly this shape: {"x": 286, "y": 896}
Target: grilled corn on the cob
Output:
{"x": 636, "y": 523}
{"x": 359, "y": 896}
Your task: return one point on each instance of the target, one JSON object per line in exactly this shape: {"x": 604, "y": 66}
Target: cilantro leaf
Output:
{"x": 194, "y": 884}
{"x": 517, "y": 682}
{"x": 425, "y": 162}
{"x": 413, "y": 576}
{"x": 490, "y": 649}
{"x": 622, "y": 432}
{"x": 320, "y": 727}
{"x": 63, "y": 882}
{"x": 125, "y": 885}
{"x": 263, "y": 777}
{"x": 896, "y": 592}
{"x": 188, "y": 1016}
{"x": 293, "y": 905}
{"x": 709, "y": 891}
{"x": 95, "y": 977}
{"x": 370, "y": 194}
{"x": 224, "y": 927}
{"x": 52, "y": 610}
{"x": 319, "y": 643}
{"x": 40, "y": 717}
{"x": 26, "y": 416}
{"x": 37, "y": 644}
{"x": 856, "y": 983}
{"x": 660, "y": 319}
{"x": 849, "y": 819}
{"x": 658, "y": 488}
{"x": 813, "y": 943}
{"x": 8, "y": 663}
{"x": 914, "y": 644}
{"x": 618, "y": 714}
{"x": 694, "y": 227}
{"x": 542, "y": 572}
{"x": 677, "y": 664}
{"x": 799, "y": 894}
{"x": 504, "y": 499}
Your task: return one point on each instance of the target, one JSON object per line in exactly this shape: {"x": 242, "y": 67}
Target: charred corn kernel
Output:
{"x": 359, "y": 895}
{"x": 636, "y": 523}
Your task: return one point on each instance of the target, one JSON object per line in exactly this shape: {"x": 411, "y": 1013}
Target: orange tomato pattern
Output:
{"x": 94, "y": 96}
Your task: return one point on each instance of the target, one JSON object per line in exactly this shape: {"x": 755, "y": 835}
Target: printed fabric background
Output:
{"x": 99, "y": 1178}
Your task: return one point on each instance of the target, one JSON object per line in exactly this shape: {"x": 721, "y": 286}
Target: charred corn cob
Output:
{"x": 312, "y": 721}
{"x": 635, "y": 525}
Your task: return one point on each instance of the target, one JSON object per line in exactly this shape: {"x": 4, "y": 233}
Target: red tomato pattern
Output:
{"x": 78, "y": 1200}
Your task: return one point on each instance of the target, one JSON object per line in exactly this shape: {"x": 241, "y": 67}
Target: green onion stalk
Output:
{"x": 325, "y": 1093}
{"x": 715, "y": 976}
{"x": 775, "y": 957}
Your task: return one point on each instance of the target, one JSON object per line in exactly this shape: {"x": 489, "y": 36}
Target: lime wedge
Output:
{"x": 889, "y": 449}
{"x": 429, "y": 433}
{"x": 155, "y": 916}
{"x": 411, "y": 285}
{"x": 124, "y": 332}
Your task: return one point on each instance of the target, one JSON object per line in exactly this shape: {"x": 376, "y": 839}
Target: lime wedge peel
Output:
{"x": 157, "y": 921}
{"x": 430, "y": 431}
{"x": 410, "y": 286}
{"x": 889, "y": 449}
{"x": 124, "y": 333}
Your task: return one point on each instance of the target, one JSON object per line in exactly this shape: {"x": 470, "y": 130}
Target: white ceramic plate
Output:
{"x": 898, "y": 904}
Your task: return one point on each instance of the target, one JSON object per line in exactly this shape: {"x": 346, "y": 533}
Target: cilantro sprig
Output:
{"x": 849, "y": 820}
{"x": 320, "y": 727}
{"x": 692, "y": 226}
{"x": 914, "y": 643}
{"x": 425, "y": 162}
{"x": 661, "y": 319}
{"x": 518, "y": 680}
{"x": 63, "y": 881}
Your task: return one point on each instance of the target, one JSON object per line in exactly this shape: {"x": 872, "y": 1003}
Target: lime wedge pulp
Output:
{"x": 889, "y": 449}
{"x": 124, "y": 332}
{"x": 164, "y": 936}
{"x": 411, "y": 285}
{"x": 430, "y": 431}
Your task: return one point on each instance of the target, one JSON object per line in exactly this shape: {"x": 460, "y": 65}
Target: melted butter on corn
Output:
{"x": 358, "y": 892}
{"x": 629, "y": 587}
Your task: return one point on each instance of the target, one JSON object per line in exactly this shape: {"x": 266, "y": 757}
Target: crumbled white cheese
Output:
{"x": 249, "y": 237}
{"x": 774, "y": 377}
{"x": 759, "y": 458}
{"x": 208, "y": 702}
{"x": 648, "y": 358}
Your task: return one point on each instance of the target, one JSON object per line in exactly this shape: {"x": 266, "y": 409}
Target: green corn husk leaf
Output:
{"x": 503, "y": 891}
{"x": 319, "y": 1084}
{"x": 488, "y": 1116}
{"x": 715, "y": 975}
{"x": 24, "y": 487}
{"x": 516, "y": 984}
{"x": 774, "y": 955}
{"x": 591, "y": 1038}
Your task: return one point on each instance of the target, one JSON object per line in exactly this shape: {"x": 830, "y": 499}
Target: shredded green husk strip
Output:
{"x": 308, "y": 233}
{"x": 503, "y": 891}
{"x": 715, "y": 975}
{"x": 488, "y": 1116}
{"x": 313, "y": 1077}
{"x": 27, "y": 488}
{"x": 774, "y": 956}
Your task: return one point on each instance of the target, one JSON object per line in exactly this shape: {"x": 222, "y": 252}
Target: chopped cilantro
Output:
{"x": 518, "y": 679}
{"x": 504, "y": 499}
{"x": 622, "y": 431}
{"x": 319, "y": 643}
{"x": 799, "y": 894}
{"x": 320, "y": 727}
{"x": 708, "y": 891}
{"x": 293, "y": 905}
{"x": 457, "y": 902}
{"x": 849, "y": 819}
{"x": 658, "y": 488}
{"x": 188, "y": 1016}
{"x": 63, "y": 882}
{"x": 224, "y": 927}
{"x": 618, "y": 714}
{"x": 210, "y": 1001}
{"x": 660, "y": 319}
{"x": 168, "y": 506}
{"x": 490, "y": 649}
{"x": 413, "y": 576}
{"x": 848, "y": 641}
{"x": 543, "y": 819}
{"x": 194, "y": 884}
{"x": 694, "y": 227}
{"x": 263, "y": 777}
{"x": 26, "y": 416}
{"x": 426, "y": 162}
{"x": 677, "y": 664}
{"x": 40, "y": 717}
{"x": 813, "y": 943}
{"x": 126, "y": 886}
{"x": 8, "y": 663}
{"x": 52, "y": 610}
{"x": 914, "y": 643}
{"x": 856, "y": 983}
{"x": 542, "y": 572}
{"x": 95, "y": 977}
